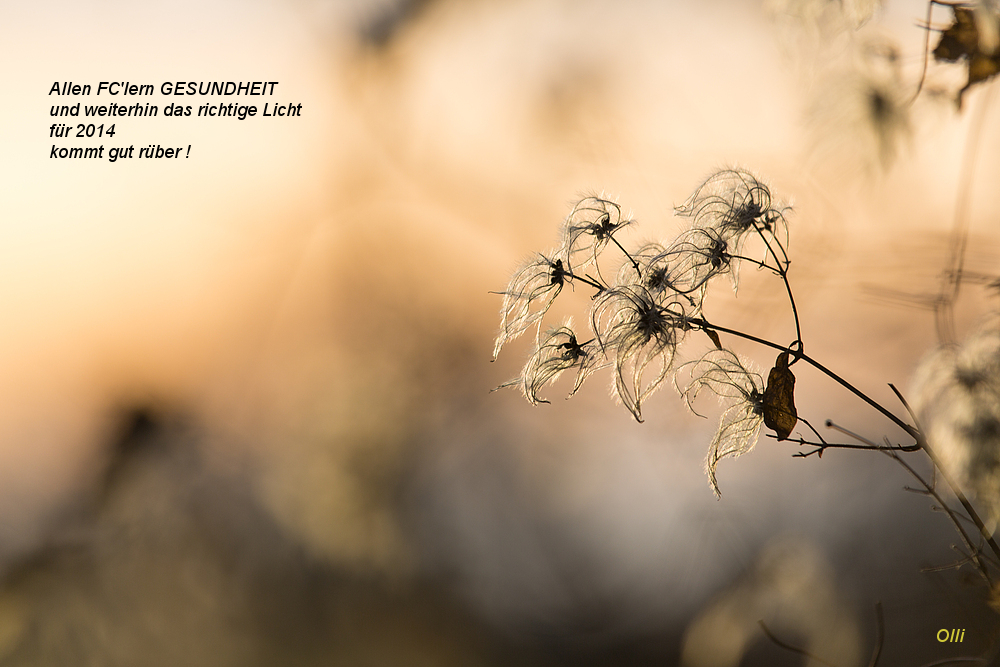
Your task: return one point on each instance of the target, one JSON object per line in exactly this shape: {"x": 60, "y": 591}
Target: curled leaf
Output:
{"x": 779, "y": 398}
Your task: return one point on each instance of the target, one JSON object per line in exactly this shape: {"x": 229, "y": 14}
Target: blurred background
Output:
{"x": 245, "y": 408}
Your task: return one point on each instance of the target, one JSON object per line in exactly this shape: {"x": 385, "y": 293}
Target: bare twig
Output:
{"x": 984, "y": 532}
{"x": 966, "y": 558}
{"x": 879, "y": 634}
{"x": 790, "y": 647}
{"x": 980, "y": 564}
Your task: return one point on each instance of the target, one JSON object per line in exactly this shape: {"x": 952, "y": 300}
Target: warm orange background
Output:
{"x": 312, "y": 292}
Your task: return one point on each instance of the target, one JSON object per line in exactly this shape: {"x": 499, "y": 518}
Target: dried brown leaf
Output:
{"x": 779, "y": 398}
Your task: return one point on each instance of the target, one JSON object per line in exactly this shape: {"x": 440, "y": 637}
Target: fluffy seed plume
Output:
{"x": 740, "y": 389}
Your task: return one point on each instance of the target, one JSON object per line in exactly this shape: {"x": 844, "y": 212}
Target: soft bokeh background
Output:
{"x": 244, "y": 396}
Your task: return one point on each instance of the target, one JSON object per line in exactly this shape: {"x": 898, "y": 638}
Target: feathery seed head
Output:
{"x": 740, "y": 389}
{"x": 559, "y": 350}
{"x": 588, "y": 229}
{"x": 528, "y": 297}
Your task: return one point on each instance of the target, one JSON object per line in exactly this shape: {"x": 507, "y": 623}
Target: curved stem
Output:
{"x": 913, "y": 431}
{"x": 635, "y": 264}
{"x": 927, "y": 46}
{"x": 791, "y": 647}
{"x": 587, "y": 281}
{"x": 783, "y": 272}
{"x": 759, "y": 264}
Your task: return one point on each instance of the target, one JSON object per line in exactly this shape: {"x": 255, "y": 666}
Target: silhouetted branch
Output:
{"x": 792, "y": 648}
{"x": 879, "y": 634}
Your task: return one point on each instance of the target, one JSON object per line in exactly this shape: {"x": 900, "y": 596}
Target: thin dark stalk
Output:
{"x": 879, "y": 634}
{"x": 586, "y": 281}
{"x": 964, "y": 518}
{"x": 759, "y": 264}
{"x": 966, "y": 558}
{"x": 969, "y": 509}
{"x": 860, "y": 438}
{"x": 927, "y": 46}
{"x": 792, "y": 648}
{"x": 821, "y": 446}
{"x": 635, "y": 264}
{"x": 815, "y": 432}
{"x": 783, "y": 272}
{"x": 915, "y": 433}
{"x": 951, "y": 515}
{"x": 927, "y": 43}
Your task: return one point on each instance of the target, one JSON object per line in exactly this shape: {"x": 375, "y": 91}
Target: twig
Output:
{"x": 951, "y": 515}
{"x": 879, "y": 634}
{"x": 967, "y": 558}
{"x": 783, "y": 272}
{"x": 790, "y": 647}
{"x": 821, "y": 446}
{"x": 859, "y": 438}
{"x": 985, "y": 533}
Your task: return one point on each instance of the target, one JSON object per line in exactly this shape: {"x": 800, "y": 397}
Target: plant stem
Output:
{"x": 783, "y": 272}
{"x": 910, "y": 430}
{"x": 922, "y": 441}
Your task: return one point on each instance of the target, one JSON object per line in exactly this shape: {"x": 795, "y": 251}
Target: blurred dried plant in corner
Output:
{"x": 956, "y": 395}
{"x": 972, "y": 37}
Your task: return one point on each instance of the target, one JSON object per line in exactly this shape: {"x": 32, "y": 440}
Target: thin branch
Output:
{"x": 879, "y": 634}
{"x": 587, "y": 281}
{"x": 783, "y": 272}
{"x": 812, "y": 362}
{"x": 635, "y": 264}
{"x": 927, "y": 46}
{"x": 756, "y": 262}
{"x": 966, "y": 558}
{"x": 951, "y": 515}
{"x": 815, "y": 432}
{"x": 936, "y": 508}
{"x": 790, "y": 647}
{"x": 821, "y": 446}
{"x": 859, "y": 438}
{"x": 927, "y": 42}
{"x": 984, "y": 532}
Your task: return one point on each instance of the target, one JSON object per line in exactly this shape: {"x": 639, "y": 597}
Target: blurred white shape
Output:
{"x": 956, "y": 395}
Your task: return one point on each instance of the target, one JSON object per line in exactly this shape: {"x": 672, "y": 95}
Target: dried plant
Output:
{"x": 557, "y": 352}
{"x": 741, "y": 392}
{"x": 641, "y": 321}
